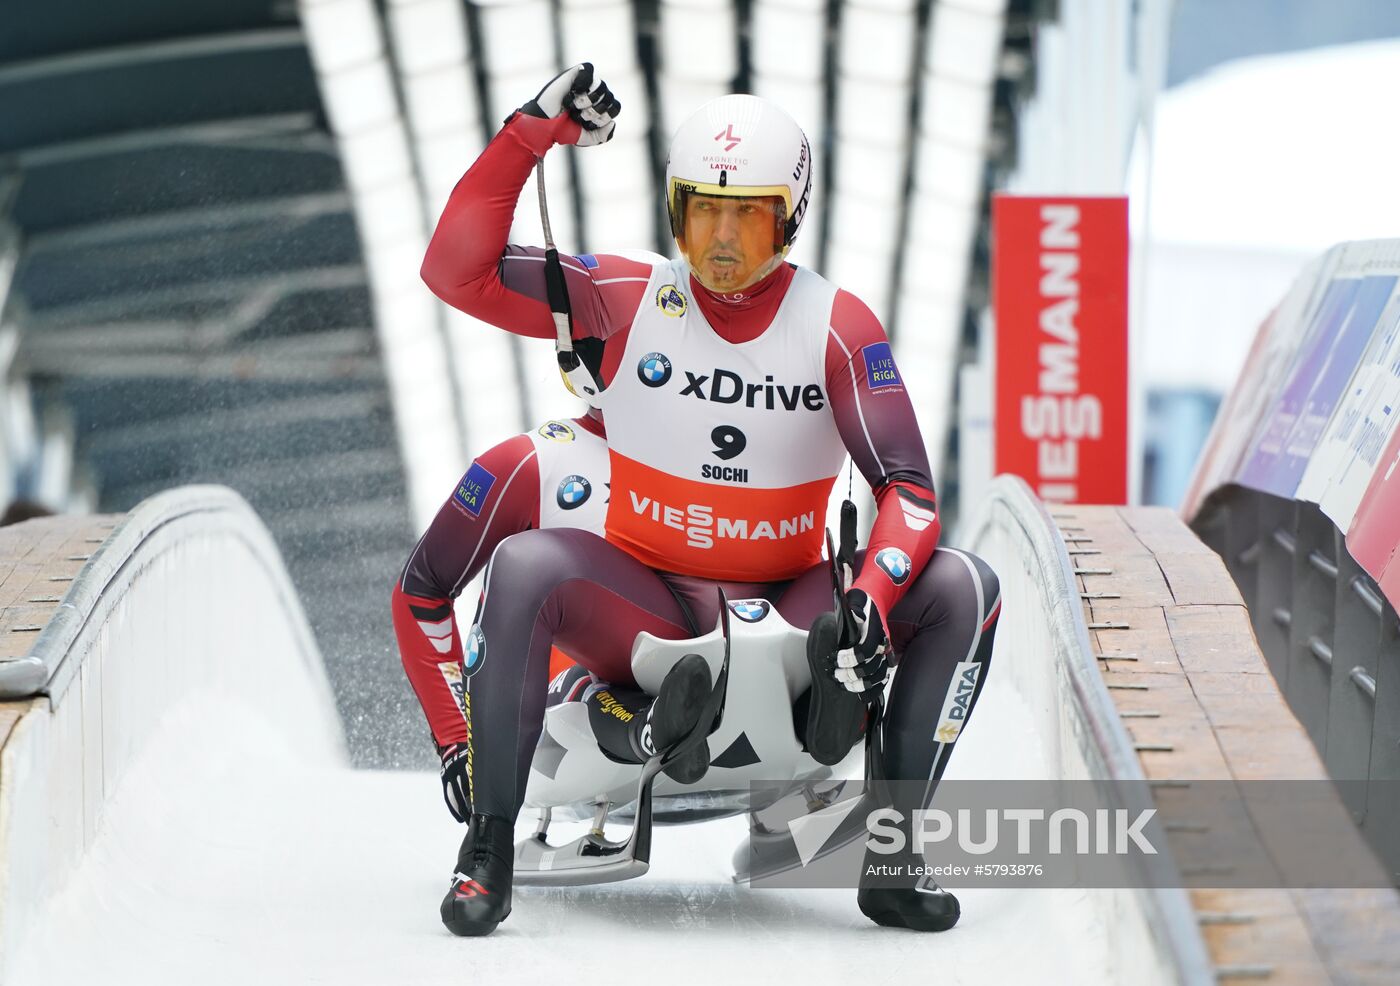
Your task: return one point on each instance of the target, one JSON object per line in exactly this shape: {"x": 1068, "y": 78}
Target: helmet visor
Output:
{"x": 731, "y": 240}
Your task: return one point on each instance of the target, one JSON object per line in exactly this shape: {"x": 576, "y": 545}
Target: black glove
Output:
{"x": 587, "y": 114}
{"x": 862, "y": 663}
{"x": 456, "y": 787}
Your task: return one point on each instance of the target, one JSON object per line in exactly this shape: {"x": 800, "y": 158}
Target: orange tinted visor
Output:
{"x": 731, "y": 241}
{"x": 681, "y": 192}
{"x": 753, "y": 214}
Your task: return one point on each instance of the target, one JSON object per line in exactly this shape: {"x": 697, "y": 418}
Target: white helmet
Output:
{"x": 740, "y": 145}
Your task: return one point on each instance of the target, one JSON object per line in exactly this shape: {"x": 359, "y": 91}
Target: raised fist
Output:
{"x": 585, "y": 113}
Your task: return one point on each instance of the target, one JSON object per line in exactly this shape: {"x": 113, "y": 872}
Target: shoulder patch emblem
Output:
{"x": 880, "y": 371}
{"x": 556, "y": 431}
{"x": 670, "y": 300}
{"x": 473, "y": 490}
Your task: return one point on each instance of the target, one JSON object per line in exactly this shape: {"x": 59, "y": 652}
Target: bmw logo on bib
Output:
{"x": 894, "y": 563}
{"x": 750, "y": 610}
{"x": 573, "y": 492}
{"x": 654, "y": 369}
{"x": 475, "y": 652}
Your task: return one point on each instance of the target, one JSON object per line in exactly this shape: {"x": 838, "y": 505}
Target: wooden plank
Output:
{"x": 1135, "y": 577}
{"x": 1108, "y": 532}
{"x": 1215, "y": 638}
{"x": 1225, "y": 708}
{"x": 1276, "y": 938}
{"x": 1161, "y": 531}
{"x": 1198, "y": 579}
{"x": 1269, "y": 751}
{"x": 38, "y": 560}
{"x": 1214, "y": 839}
{"x": 1162, "y": 692}
{"x": 1360, "y": 929}
{"x": 1147, "y": 638}
{"x": 1194, "y": 755}
{"x": 1205, "y": 693}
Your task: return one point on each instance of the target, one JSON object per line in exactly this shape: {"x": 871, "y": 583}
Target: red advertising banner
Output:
{"x": 1060, "y": 296}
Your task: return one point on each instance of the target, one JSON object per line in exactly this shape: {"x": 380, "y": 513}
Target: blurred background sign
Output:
{"x": 1060, "y": 299}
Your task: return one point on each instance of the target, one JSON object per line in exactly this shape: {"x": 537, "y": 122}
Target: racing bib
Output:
{"x": 722, "y": 454}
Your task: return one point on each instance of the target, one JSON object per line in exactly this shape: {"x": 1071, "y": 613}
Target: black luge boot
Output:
{"x": 904, "y": 901}
{"x": 674, "y": 715}
{"x": 835, "y": 715}
{"x": 479, "y": 898}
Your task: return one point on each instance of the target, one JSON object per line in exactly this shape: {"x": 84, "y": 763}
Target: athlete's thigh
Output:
{"x": 944, "y": 589}
{"x": 811, "y": 594}
{"x": 955, "y": 593}
{"x": 586, "y": 596}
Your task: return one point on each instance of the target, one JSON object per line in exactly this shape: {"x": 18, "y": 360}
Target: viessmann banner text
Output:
{"x": 1060, "y": 294}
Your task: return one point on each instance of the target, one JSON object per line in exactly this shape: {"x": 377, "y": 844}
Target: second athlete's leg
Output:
{"x": 541, "y": 586}
{"x": 941, "y": 630}
{"x": 553, "y": 586}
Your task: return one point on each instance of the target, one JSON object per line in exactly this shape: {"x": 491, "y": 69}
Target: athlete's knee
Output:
{"x": 954, "y": 586}
{"x": 990, "y": 585}
{"x": 536, "y": 561}
{"x": 958, "y": 573}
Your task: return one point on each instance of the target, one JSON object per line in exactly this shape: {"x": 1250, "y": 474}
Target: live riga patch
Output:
{"x": 880, "y": 371}
{"x": 474, "y": 488}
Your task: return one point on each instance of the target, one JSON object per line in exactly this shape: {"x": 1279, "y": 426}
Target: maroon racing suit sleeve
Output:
{"x": 470, "y": 265}
{"x": 497, "y": 496}
{"x": 877, "y": 424}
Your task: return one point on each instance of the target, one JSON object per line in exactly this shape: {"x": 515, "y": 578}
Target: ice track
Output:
{"x": 231, "y": 862}
{"x": 176, "y": 807}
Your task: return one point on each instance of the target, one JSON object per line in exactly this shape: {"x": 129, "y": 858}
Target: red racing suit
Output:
{"x": 555, "y": 476}
{"x": 718, "y": 456}
{"x": 470, "y": 265}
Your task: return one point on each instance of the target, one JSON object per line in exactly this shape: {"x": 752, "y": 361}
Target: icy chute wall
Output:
{"x": 1043, "y": 647}
{"x": 186, "y": 602}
